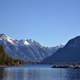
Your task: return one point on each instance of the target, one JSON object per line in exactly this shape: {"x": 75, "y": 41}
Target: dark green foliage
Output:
{"x": 5, "y": 59}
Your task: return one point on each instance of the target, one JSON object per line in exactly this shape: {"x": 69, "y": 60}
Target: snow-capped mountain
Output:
{"x": 28, "y": 50}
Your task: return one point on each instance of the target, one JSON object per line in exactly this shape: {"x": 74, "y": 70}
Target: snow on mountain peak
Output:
{"x": 26, "y": 49}
{"x": 26, "y": 43}
{"x": 7, "y": 38}
{"x": 4, "y": 36}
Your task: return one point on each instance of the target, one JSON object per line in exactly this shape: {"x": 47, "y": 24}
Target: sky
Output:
{"x": 50, "y": 22}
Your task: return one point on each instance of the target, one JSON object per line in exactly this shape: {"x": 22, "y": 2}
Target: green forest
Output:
{"x": 6, "y": 60}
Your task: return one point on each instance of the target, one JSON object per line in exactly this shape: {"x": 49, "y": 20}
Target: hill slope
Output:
{"x": 69, "y": 54}
{"x": 7, "y": 60}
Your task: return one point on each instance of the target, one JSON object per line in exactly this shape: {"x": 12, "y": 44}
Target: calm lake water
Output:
{"x": 39, "y": 73}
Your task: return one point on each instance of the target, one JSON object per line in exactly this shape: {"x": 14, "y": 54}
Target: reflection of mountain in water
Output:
{"x": 73, "y": 74}
{"x": 1, "y": 73}
{"x": 18, "y": 73}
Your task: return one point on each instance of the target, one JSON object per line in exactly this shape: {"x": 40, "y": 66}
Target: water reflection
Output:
{"x": 73, "y": 74}
{"x": 1, "y": 73}
{"x": 39, "y": 74}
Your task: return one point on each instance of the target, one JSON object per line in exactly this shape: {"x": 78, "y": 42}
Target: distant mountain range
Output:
{"x": 69, "y": 54}
{"x": 26, "y": 50}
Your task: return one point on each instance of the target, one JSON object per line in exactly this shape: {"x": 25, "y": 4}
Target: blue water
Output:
{"x": 40, "y": 73}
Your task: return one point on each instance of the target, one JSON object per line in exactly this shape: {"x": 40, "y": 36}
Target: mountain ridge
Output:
{"x": 69, "y": 54}
{"x": 28, "y": 50}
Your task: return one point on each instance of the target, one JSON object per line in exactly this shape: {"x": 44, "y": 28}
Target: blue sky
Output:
{"x": 50, "y": 22}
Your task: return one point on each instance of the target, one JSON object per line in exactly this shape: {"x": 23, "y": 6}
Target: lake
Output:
{"x": 39, "y": 73}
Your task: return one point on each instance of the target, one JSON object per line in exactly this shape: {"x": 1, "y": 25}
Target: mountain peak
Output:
{"x": 75, "y": 42}
{"x": 69, "y": 54}
{"x": 4, "y": 36}
{"x": 76, "y": 38}
{"x": 7, "y": 38}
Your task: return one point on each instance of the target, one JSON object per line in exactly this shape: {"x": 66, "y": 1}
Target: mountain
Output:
{"x": 27, "y": 50}
{"x": 69, "y": 54}
{"x": 6, "y": 60}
